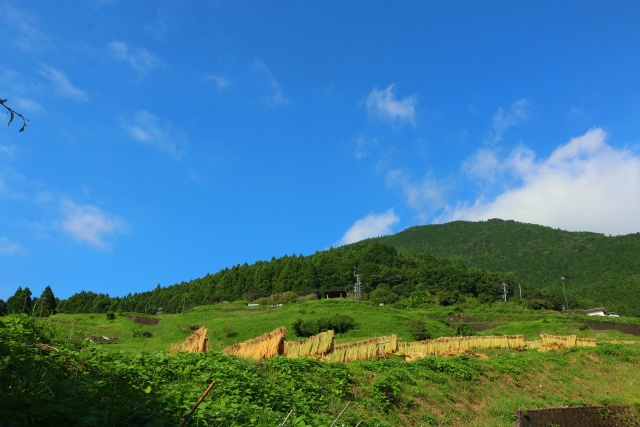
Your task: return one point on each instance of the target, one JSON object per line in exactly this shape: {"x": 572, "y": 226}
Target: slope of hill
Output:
{"x": 52, "y": 375}
{"x": 601, "y": 270}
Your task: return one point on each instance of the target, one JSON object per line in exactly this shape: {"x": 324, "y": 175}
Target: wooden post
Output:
{"x": 186, "y": 417}
{"x": 286, "y": 418}
{"x": 339, "y": 415}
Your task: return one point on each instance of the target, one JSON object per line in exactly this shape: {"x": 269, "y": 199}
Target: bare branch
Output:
{"x": 12, "y": 113}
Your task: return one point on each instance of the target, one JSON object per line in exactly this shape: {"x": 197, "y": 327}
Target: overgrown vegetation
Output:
{"x": 49, "y": 376}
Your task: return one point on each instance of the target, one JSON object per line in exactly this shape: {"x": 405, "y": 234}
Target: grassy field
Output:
{"x": 144, "y": 382}
{"x": 236, "y": 322}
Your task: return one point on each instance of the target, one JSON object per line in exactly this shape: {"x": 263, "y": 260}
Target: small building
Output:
{"x": 600, "y": 311}
{"x": 335, "y": 293}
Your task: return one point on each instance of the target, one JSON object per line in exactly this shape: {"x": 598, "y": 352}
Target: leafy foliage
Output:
{"x": 20, "y": 302}
{"x": 49, "y": 377}
{"x": 418, "y": 329}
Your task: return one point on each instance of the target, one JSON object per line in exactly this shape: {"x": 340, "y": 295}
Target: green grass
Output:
{"x": 236, "y": 322}
{"x": 461, "y": 391}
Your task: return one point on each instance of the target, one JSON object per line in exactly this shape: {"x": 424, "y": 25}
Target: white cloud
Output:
{"x": 364, "y": 146}
{"x": 28, "y": 105}
{"x": 276, "y": 96}
{"x": 584, "y": 185}
{"x": 24, "y": 28}
{"x": 423, "y": 196}
{"x": 147, "y": 129}
{"x": 89, "y": 224}
{"x": 373, "y": 225}
{"x": 484, "y": 164}
{"x": 221, "y": 82}
{"x": 517, "y": 113}
{"x": 140, "y": 59}
{"x": 61, "y": 83}
{"x": 383, "y": 105}
{"x": 9, "y": 247}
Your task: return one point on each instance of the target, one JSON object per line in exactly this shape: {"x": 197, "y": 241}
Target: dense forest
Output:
{"x": 387, "y": 275}
{"x": 600, "y": 270}
{"x": 434, "y": 264}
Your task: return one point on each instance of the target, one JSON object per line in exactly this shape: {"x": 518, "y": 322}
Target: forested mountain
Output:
{"x": 387, "y": 276}
{"x": 439, "y": 264}
{"x": 601, "y": 270}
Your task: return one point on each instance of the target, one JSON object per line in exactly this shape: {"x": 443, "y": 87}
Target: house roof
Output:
{"x": 595, "y": 310}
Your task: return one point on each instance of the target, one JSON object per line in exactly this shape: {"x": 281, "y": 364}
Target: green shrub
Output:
{"x": 111, "y": 315}
{"x": 418, "y": 329}
{"x": 339, "y": 323}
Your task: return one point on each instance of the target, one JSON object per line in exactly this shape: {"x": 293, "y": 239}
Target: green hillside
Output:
{"x": 52, "y": 375}
{"x": 602, "y": 270}
{"x": 434, "y": 264}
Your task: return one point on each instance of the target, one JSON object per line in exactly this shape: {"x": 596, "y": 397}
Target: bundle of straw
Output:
{"x": 315, "y": 346}
{"x": 534, "y": 345}
{"x": 585, "y": 342}
{"x": 559, "y": 340}
{"x": 262, "y": 347}
{"x": 448, "y": 345}
{"x": 196, "y": 342}
{"x": 364, "y": 350}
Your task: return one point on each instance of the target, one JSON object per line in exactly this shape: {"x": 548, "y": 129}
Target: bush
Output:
{"x": 111, "y": 315}
{"x": 418, "y": 329}
{"x": 339, "y": 323}
{"x": 382, "y": 295}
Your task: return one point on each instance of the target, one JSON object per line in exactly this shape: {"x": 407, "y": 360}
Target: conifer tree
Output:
{"x": 46, "y": 305}
{"x": 20, "y": 302}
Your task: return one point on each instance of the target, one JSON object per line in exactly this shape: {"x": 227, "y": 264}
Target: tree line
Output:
{"x": 23, "y": 302}
{"x": 388, "y": 276}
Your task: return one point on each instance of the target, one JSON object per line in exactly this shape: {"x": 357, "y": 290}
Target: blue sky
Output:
{"x": 171, "y": 139}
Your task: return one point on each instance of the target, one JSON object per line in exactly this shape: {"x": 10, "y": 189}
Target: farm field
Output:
{"x": 236, "y": 322}
{"x": 136, "y": 381}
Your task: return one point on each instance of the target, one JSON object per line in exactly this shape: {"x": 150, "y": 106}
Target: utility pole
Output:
{"x": 358, "y": 285}
{"x": 564, "y": 290}
{"x": 504, "y": 289}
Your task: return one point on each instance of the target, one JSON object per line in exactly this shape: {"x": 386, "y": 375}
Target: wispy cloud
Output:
{"x": 61, "y": 84}
{"x": 373, "y": 225}
{"x": 276, "y": 96}
{"x": 363, "y": 146}
{"x": 140, "y": 59}
{"x": 14, "y": 87}
{"x": 24, "y": 28}
{"x": 584, "y": 185}
{"x": 503, "y": 119}
{"x": 484, "y": 164}
{"x": 383, "y": 105}
{"x": 89, "y": 224}
{"x": 7, "y": 151}
{"x": 424, "y": 196}
{"x": 220, "y": 82}
{"x": 9, "y": 247}
{"x": 147, "y": 129}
